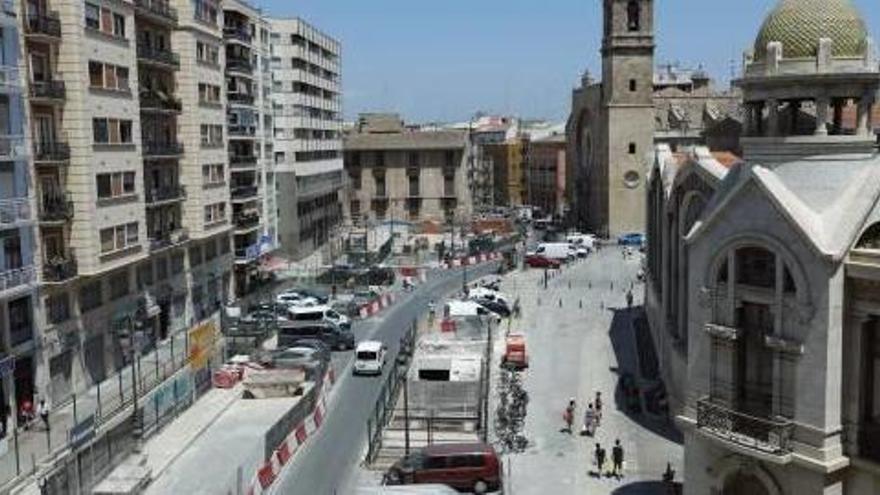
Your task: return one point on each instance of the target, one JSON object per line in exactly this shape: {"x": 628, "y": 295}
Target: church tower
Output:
{"x": 627, "y": 97}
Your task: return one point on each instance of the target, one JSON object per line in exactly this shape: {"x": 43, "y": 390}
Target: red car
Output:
{"x": 538, "y": 261}
{"x": 471, "y": 467}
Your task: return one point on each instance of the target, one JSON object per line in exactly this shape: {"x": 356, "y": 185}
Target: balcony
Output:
{"x": 152, "y": 102}
{"x": 242, "y": 161}
{"x": 242, "y": 130}
{"x": 158, "y": 10}
{"x": 56, "y": 209}
{"x": 244, "y": 193}
{"x": 245, "y": 221}
{"x": 157, "y": 56}
{"x": 156, "y": 196}
{"x": 17, "y": 277}
{"x": 14, "y": 211}
{"x": 161, "y": 149}
{"x": 240, "y": 98}
{"x": 44, "y": 25}
{"x": 237, "y": 34}
{"x": 247, "y": 254}
{"x": 168, "y": 238}
{"x": 770, "y": 436}
{"x": 9, "y": 80}
{"x": 48, "y": 90}
{"x": 236, "y": 64}
{"x": 55, "y": 151}
{"x": 11, "y": 147}
{"x": 59, "y": 269}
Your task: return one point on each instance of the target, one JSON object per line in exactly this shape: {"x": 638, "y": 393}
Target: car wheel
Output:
{"x": 481, "y": 487}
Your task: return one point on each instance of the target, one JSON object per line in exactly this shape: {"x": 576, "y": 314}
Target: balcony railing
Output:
{"x": 764, "y": 434}
{"x": 166, "y": 238}
{"x": 153, "y": 54}
{"x": 11, "y": 147}
{"x": 244, "y": 99}
{"x": 55, "y": 151}
{"x": 242, "y": 130}
{"x": 239, "y": 65}
{"x": 237, "y": 34}
{"x": 9, "y": 77}
{"x": 242, "y": 161}
{"x": 14, "y": 211}
{"x": 244, "y": 192}
{"x": 165, "y": 193}
{"x": 44, "y": 24}
{"x": 60, "y": 268}
{"x": 56, "y": 209}
{"x": 159, "y": 8}
{"x": 162, "y": 148}
{"x": 246, "y": 220}
{"x": 154, "y": 102}
{"x": 16, "y": 277}
{"x": 54, "y": 90}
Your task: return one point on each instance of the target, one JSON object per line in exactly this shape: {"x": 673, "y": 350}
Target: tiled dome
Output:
{"x": 799, "y": 24}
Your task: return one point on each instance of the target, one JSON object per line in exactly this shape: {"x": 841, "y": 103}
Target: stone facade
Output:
{"x": 546, "y": 175}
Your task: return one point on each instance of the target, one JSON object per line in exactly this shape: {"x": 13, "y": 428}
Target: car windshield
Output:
{"x": 366, "y": 355}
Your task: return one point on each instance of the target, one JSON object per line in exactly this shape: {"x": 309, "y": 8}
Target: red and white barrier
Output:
{"x": 377, "y": 305}
{"x": 472, "y": 260}
{"x": 271, "y": 469}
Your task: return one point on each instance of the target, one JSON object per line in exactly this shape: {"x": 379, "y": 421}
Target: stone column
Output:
{"x": 772, "y": 117}
{"x": 758, "y": 112}
{"x": 864, "y": 110}
{"x": 821, "y": 116}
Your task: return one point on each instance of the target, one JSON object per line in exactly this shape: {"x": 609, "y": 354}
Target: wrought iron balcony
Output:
{"x": 235, "y": 33}
{"x": 242, "y": 161}
{"x": 53, "y": 90}
{"x": 152, "y": 102}
{"x": 238, "y": 64}
{"x": 244, "y": 192}
{"x": 242, "y": 98}
{"x": 162, "y": 148}
{"x": 44, "y": 24}
{"x": 56, "y": 209}
{"x": 246, "y": 220}
{"x": 158, "y": 8}
{"x": 153, "y": 54}
{"x": 165, "y": 193}
{"x": 162, "y": 239}
{"x": 14, "y": 211}
{"x": 16, "y": 277}
{"x": 55, "y": 151}
{"x": 242, "y": 130}
{"x": 769, "y": 435}
{"x": 60, "y": 268}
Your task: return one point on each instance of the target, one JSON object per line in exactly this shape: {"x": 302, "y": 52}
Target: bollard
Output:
{"x": 612, "y": 285}
{"x": 539, "y": 301}
{"x": 590, "y": 285}
{"x": 569, "y": 284}
{"x": 603, "y": 305}
{"x": 581, "y": 304}
{"x": 560, "y": 302}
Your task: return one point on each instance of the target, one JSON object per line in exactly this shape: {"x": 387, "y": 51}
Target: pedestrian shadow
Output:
{"x": 646, "y": 488}
{"x": 623, "y": 343}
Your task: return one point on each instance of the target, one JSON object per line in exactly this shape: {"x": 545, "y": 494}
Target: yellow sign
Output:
{"x": 201, "y": 344}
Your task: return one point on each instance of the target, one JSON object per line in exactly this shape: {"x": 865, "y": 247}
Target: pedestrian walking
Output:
{"x": 599, "y": 459}
{"x": 589, "y": 421}
{"x": 617, "y": 459}
{"x": 26, "y": 413}
{"x": 568, "y": 415}
{"x": 43, "y": 411}
{"x": 598, "y": 403}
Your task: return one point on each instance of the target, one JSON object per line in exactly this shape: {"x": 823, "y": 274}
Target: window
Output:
{"x": 205, "y": 11}
{"x": 207, "y": 53}
{"x": 93, "y": 16}
{"x": 107, "y": 76}
{"x": 632, "y": 15}
{"x": 118, "y": 25}
{"x": 96, "y": 74}
{"x": 111, "y": 131}
{"x": 632, "y": 148}
{"x": 119, "y": 237}
{"x": 58, "y": 308}
{"x": 632, "y": 84}
{"x": 215, "y": 213}
{"x": 414, "y": 184}
{"x": 212, "y": 135}
{"x": 449, "y": 182}
{"x": 115, "y": 184}
{"x": 119, "y": 285}
{"x": 209, "y": 93}
{"x": 450, "y": 158}
{"x": 380, "y": 186}
{"x": 414, "y": 160}
{"x": 212, "y": 174}
{"x": 90, "y": 296}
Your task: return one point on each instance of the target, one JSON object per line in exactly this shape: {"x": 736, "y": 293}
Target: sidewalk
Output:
{"x": 105, "y": 400}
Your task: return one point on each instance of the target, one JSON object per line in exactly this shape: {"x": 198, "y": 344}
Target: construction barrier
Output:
{"x": 472, "y": 260}
{"x": 377, "y": 305}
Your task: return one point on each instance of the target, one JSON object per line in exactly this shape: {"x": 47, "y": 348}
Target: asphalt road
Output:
{"x": 329, "y": 458}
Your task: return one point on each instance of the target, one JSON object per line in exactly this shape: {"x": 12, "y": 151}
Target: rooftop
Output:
{"x": 799, "y": 24}
{"x": 410, "y": 140}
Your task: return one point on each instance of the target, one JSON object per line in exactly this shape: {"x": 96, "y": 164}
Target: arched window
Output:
{"x": 871, "y": 238}
{"x": 633, "y": 12}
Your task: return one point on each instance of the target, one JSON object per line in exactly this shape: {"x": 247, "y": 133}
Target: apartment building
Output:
{"x": 125, "y": 259}
{"x": 18, "y": 244}
{"x": 403, "y": 175}
{"x": 248, "y": 125}
{"x": 306, "y": 71}
{"x": 546, "y": 175}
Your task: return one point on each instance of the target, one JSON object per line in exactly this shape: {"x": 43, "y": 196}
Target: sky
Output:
{"x": 444, "y": 60}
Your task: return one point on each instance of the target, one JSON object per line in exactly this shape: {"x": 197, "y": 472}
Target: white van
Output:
{"x": 369, "y": 358}
{"x": 582, "y": 240}
{"x": 561, "y": 251}
{"x": 318, "y": 313}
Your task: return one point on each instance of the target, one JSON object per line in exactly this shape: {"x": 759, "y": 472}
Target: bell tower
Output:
{"x": 628, "y": 51}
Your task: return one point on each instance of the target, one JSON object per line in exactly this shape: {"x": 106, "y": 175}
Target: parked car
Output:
{"x": 473, "y": 467}
{"x": 318, "y": 313}
{"x": 494, "y": 306}
{"x": 335, "y": 337}
{"x": 582, "y": 252}
{"x": 539, "y": 261}
{"x": 561, "y": 251}
{"x": 631, "y": 239}
{"x": 320, "y": 296}
{"x": 369, "y": 358}
{"x": 318, "y": 345}
{"x": 298, "y": 357}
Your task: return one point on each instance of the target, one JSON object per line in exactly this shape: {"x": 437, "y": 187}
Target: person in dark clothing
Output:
{"x": 599, "y": 455}
{"x": 617, "y": 459}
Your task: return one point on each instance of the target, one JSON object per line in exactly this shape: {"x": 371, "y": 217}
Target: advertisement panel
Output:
{"x": 201, "y": 344}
